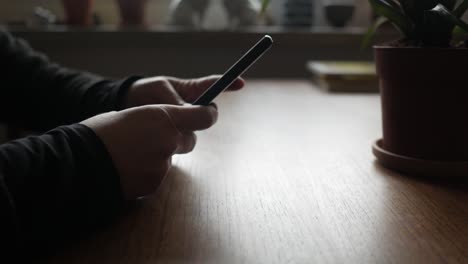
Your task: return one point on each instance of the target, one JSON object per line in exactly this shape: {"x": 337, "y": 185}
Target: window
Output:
{"x": 194, "y": 14}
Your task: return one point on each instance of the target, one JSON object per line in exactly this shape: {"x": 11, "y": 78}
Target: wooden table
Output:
{"x": 287, "y": 176}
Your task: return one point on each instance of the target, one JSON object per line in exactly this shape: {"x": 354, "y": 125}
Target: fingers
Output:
{"x": 191, "y": 89}
{"x": 206, "y": 82}
{"x": 180, "y": 124}
{"x": 155, "y": 90}
{"x": 172, "y": 96}
{"x": 187, "y": 143}
{"x": 190, "y": 118}
{"x": 238, "y": 84}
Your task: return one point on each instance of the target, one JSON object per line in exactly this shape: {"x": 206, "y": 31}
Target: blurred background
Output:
{"x": 157, "y": 12}
{"x": 190, "y": 38}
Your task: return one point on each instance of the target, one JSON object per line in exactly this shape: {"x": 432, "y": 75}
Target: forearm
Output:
{"x": 55, "y": 186}
{"x": 38, "y": 94}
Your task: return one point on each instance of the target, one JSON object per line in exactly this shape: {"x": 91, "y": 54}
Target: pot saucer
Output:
{"x": 419, "y": 167}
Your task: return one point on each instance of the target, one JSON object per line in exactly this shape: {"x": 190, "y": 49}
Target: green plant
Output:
{"x": 423, "y": 23}
{"x": 264, "y": 6}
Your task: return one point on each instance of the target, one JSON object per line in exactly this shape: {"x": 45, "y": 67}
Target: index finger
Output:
{"x": 191, "y": 89}
{"x": 191, "y": 117}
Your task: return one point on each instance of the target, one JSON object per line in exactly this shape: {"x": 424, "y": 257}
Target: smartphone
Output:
{"x": 235, "y": 71}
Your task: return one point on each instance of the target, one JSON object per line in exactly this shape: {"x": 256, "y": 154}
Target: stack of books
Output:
{"x": 340, "y": 76}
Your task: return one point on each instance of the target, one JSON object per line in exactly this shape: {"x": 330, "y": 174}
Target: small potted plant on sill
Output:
{"x": 132, "y": 12}
{"x": 423, "y": 87}
{"x": 78, "y": 12}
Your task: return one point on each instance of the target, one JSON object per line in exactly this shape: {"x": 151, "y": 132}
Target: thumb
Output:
{"x": 191, "y": 117}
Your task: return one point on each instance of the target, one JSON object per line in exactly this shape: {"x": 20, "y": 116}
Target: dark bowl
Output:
{"x": 339, "y": 15}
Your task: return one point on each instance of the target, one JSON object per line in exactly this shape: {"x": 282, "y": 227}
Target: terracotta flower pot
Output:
{"x": 424, "y": 93}
{"x": 132, "y": 12}
{"x": 78, "y": 12}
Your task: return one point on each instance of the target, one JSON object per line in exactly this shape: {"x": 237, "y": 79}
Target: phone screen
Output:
{"x": 235, "y": 71}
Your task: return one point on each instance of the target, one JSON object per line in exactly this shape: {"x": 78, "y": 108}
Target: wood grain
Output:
{"x": 287, "y": 176}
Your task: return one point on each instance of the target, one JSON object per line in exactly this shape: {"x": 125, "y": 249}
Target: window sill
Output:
{"x": 118, "y": 52}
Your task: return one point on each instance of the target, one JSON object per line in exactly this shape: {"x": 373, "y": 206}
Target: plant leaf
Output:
{"x": 449, "y": 16}
{"x": 265, "y": 4}
{"x": 423, "y": 5}
{"x": 449, "y": 4}
{"x": 420, "y": 5}
{"x": 459, "y": 34}
{"x": 371, "y": 32}
{"x": 393, "y": 12}
{"x": 393, "y": 3}
{"x": 461, "y": 9}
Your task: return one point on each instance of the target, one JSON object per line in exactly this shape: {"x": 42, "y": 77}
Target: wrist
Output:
{"x": 125, "y": 86}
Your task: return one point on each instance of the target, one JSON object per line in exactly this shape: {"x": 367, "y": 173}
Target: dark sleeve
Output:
{"x": 54, "y": 187}
{"x": 38, "y": 94}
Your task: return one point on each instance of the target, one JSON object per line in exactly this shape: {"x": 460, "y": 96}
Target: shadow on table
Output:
{"x": 448, "y": 182}
{"x": 167, "y": 226}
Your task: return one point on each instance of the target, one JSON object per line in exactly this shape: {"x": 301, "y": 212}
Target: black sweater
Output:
{"x": 63, "y": 182}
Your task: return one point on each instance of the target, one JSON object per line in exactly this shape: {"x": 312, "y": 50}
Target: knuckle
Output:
{"x": 211, "y": 116}
{"x": 138, "y": 113}
{"x": 161, "y": 81}
{"x": 162, "y": 112}
{"x": 165, "y": 111}
{"x": 170, "y": 147}
{"x": 172, "y": 135}
{"x": 192, "y": 139}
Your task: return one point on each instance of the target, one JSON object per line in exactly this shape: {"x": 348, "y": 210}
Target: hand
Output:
{"x": 142, "y": 140}
{"x": 170, "y": 90}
